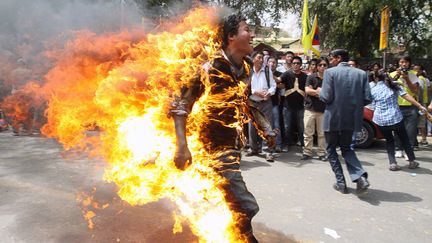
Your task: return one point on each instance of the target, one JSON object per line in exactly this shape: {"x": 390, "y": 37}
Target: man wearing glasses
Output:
{"x": 293, "y": 106}
{"x": 314, "y": 112}
{"x": 345, "y": 90}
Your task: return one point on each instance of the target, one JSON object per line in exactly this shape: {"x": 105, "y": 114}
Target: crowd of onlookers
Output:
{"x": 326, "y": 99}
{"x": 288, "y": 95}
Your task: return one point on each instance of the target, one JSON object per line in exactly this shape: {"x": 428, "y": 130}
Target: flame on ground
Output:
{"x": 121, "y": 83}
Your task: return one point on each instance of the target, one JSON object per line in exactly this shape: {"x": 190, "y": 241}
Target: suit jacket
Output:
{"x": 345, "y": 90}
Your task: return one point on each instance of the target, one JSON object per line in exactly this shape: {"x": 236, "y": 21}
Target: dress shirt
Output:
{"x": 386, "y": 105}
{"x": 259, "y": 82}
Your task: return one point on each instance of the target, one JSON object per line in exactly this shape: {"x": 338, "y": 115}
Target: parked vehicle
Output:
{"x": 369, "y": 131}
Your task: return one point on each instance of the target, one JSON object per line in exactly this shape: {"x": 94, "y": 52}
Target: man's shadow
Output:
{"x": 376, "y": 196}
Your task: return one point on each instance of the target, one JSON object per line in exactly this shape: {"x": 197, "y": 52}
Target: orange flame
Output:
{"x": 23, "y": 104}
{"x": 122, "y": 83}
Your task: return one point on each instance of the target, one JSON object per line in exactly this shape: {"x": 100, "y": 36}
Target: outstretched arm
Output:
{"x": 414, "y": 102}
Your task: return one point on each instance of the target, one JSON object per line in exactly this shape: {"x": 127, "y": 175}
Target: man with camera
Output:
{"x": 409, "y": 82}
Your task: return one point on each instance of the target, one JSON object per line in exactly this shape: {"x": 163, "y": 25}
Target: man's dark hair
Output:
{"x": 230, "y": 26}
{"x": 255, "y": 53}
{"x": 272, "y": 57}
{"x": 298, "y": 58}
{"x": 342, "y": 53}
{"x": 406, "y": 58}
{"x": 354, "y": 60}
{"x": 289, "y": 52}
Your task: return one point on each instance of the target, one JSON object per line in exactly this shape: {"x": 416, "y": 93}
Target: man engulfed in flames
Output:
{"x": 224, "y": 86}
{"x": 120, "y": 83}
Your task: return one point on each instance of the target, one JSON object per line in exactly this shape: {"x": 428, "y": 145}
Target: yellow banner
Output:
{"x": 385, "y": 17}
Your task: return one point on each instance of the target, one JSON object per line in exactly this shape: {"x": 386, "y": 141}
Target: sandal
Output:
{"x": 394, "y": 167}
{"x": 413, "y": 165}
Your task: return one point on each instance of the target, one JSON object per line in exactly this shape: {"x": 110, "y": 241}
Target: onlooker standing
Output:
{"x": 345, "y": 90}
{"x": 276, "y": 102}
{"x": 293, "y": 110}
{"x": 410, "y": 83}
{"x": 423, "y": 99}
{"x": 263, "y": 87}
{"x": 314, "y": 112}
{"x": 288, "y": 62}
{"x": 388, "y": 117}
{"x": 312, "y": 67}
{"x": 353, "y": 63}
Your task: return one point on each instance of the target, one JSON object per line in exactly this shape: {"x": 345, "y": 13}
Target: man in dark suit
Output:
{"x": 345, "y": 91}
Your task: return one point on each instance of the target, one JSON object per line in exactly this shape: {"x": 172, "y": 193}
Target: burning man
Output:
{"x": 226, "y": 112}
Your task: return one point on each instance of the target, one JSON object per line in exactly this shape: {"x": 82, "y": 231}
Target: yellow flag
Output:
{"x": 314, "y": 37}
{"x": 306, "y": 29}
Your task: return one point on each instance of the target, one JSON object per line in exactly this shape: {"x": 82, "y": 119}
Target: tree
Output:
{"x": 351, "y": 24}
{"x": 254, "y": 10}
{"x": 355, "y": 25}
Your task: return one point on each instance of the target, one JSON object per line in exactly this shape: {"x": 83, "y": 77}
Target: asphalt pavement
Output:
{"x": 40, "y": 183}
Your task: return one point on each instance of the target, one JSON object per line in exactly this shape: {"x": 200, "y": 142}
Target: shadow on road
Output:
{"x": 376, "y": 196}
{"x": 247, "y": 165}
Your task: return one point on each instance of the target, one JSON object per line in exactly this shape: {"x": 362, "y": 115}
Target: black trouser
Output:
{"x": 236, "y": 193}
{"x": 400, "y": 131}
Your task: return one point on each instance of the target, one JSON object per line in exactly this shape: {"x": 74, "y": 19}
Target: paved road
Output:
{"x": 39, "y": 184}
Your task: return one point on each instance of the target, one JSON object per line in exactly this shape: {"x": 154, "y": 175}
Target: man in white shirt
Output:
{"x": 263, "y": 87}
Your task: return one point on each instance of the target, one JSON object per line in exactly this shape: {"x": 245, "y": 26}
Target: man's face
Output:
{"x": 334, "y": 60}
{"x": 296, "y": 65}
{"x": 404, "y": 63}
{"x": 242, "y": 41}
{"x": 272, "y": 64}
{"x": 258, "y": 60}
{"x": 289, "y": 58}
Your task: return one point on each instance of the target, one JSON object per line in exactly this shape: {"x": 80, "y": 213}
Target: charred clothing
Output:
{"x": 225, "y": 110}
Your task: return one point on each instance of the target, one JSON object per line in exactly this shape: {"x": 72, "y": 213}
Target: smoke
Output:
{"x": 29, "y": 27}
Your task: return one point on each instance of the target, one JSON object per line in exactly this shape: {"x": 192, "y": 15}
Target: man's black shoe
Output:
{"x": 252, "y": 153}
{"x": 340, "y": 188}
{"x": 306, "y": 157}
{"x": 270, "y": 158}
{"x": 362, "y": 185}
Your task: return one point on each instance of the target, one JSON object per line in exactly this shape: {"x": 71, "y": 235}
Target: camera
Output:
{"x": 404, "y": 70}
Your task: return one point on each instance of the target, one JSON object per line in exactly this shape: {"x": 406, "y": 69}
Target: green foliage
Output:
{"x": 350, "y": 24}
{"x": 355, "y": 25}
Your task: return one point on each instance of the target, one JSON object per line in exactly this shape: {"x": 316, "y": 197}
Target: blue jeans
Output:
{"x": 291, "y": 116}
{"x": 410, "y": 115}
{"x": 276, "y": 125}
{"x": 343, "y": 139}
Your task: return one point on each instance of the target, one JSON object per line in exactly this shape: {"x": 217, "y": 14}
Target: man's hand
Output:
{"x": 182, "y": 157}
{"x": 261, "y": 93}
{"x": 430, "y": 107}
